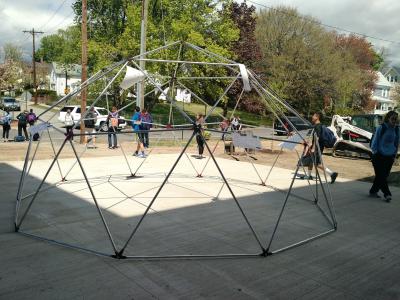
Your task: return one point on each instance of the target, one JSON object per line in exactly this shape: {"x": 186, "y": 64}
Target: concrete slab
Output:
{"x": 194, "y": 215}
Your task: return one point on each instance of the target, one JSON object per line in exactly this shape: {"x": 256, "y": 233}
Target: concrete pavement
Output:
{"x": 193, "y": 215}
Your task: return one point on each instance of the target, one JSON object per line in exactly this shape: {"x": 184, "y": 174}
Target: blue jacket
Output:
{"x": 387, "y": 143}
{"x": 135, "y": 118}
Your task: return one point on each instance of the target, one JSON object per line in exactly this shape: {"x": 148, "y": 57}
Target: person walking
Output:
{"x": 22, "y": 122}
{"x": 146, "y": 124}
{"x": 314, "y": 154}
{"x": 136, "y": 122}
{"x": 6, "y": 125}
{"x": 384, "y": 146}
{"x": 200, "y": 135}
{"x": 69, "y": 123}
{"x": 112, "y": 124}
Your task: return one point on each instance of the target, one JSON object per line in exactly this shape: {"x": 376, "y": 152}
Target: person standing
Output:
{"x": 235, "y": 123}
{"x": 314, "y": 154}
{"x": 90, "y": 125}
{"x": 224, "y": 125}
{"x": 146, "y": 125}
{"x": 6, "y": 125}
{"x": 384, "y": 146}
{"x": 69, "y": 123}
{"x": 31, "y": 117}
{"x": 112, "y": 124}
{"x": 22, "y": 122}
{"x": 136, "y": 122}
{"x": 200, "y": 135}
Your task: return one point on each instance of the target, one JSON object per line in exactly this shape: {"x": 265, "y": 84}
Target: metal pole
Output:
{"x": 233, "y": 196}
{"x": 40, "y": 185}
{"x": 155, "y": 196}
{"x": 21, "y": 182}
{"x": 84, "y": 67}
{"x": 143, "y": 32}
{"x": 94, "y": 198}
{"x": 54, "y": 151}
{"x": 283, "y": 206}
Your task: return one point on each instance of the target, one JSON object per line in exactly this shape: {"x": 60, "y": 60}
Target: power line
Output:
{"x": 34, "y": 33}
{"x": 323, "y": 24}
{"x": 55, "y": 12}
{"x": 56, "y": 27}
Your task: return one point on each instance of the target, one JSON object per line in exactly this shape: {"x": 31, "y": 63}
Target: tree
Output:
{"x": 246, "y": 51}
{"x": 10, "y": 75}
{"x": 62, "y": 47}
{"x": 11, "y": 68}
{"x": 12, "y": 53}
{"x": 312, "y": 68}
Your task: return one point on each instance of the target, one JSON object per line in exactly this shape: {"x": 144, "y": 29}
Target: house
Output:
{"x": 381, "y": 95}
{"x": 392, "y": 74}
{"x": 65, "y": 78}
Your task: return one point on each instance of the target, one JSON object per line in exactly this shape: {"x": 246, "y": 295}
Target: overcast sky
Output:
{"x": 377, "y": 18}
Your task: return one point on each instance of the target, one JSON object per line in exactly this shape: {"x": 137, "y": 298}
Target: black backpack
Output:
{"x": 89, "y": 120}
{"x": 22, "y": 118}
{"x": 328, "y": 137}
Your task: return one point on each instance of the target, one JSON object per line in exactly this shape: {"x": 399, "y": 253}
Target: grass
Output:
{"x": 161, "y": 111}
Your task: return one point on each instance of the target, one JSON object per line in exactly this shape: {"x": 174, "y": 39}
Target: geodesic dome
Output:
{"x": 257, "y": 225}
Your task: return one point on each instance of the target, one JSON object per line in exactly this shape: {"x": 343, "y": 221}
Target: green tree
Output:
{"x": 312, "y": 68}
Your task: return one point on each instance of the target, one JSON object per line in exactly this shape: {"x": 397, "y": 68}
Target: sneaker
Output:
{"x": 388, "y": 198}
{"x": 333, "y": 177}
{"x": 374, "y": 195}
{"x": 141, "y": 155}
{"x": 110, "y": 147}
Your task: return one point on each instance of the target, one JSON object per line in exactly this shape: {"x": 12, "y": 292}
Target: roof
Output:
{"x": 387, "y": 69}
{"x": 72, "y": 69}
{"x": 382, "y": 81}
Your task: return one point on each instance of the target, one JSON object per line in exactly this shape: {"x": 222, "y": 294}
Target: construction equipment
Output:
{"x": 351, "y": 140}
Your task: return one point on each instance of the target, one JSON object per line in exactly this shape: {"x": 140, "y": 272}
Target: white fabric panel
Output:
{"x": 245, "y": 77}
{"x": 132, "y": 76}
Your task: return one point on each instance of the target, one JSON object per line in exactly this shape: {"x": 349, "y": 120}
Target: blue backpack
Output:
{"x": 328, "y": 137}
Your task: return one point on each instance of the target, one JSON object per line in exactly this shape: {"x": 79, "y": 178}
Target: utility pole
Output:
{"x": 141, "y": 85}
{"x": 84, "y": 67}
{"x": 34, "y": 33}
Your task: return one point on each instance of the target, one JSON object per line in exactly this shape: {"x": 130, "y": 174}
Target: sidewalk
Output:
{"x": 359, "y": 261}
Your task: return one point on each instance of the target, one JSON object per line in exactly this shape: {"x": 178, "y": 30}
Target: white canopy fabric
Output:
{"x": 245, "y": 78}
{"x": 181, "y": 95}
{"x": 132, "y": 76}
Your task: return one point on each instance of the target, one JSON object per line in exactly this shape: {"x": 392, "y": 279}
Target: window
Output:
{"x": 385, "y": 93}
{"x": 64, "y": 109}
{"x": 395, "y": 78}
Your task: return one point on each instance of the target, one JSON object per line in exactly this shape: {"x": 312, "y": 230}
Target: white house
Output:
{"x": 381, "y": 95}
{"x": 392, "y": 75}
{"x": 65, "y": 78}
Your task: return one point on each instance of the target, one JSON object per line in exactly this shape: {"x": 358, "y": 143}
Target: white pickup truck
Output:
{"x": 101, "y": 112}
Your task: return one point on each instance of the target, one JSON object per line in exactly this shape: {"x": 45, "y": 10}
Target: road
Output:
{"x": 52, "y": 115}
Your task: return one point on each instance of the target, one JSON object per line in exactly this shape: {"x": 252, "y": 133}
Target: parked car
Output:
{"x": 9, "y": 104}
{"x": 101, "y": 112}
{"x": 367, "y": 122}
{"x": 298, "y": 123}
